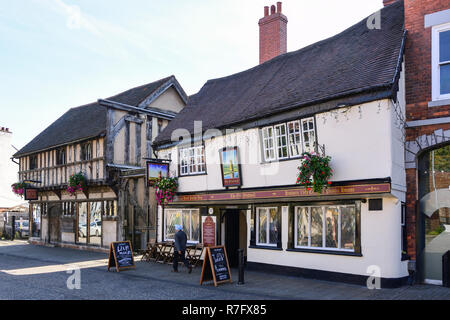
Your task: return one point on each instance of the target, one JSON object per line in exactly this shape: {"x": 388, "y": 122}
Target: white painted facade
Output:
{"x": 364, "y": 142}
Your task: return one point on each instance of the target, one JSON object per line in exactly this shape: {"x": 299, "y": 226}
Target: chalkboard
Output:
{"x": 121, "y": 256}
{"x": 215, "y": 266}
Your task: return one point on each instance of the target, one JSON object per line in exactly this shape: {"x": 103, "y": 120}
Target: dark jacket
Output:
{"x": 180, "y": 241}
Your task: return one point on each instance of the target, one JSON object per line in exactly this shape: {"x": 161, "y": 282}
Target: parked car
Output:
{"x": 23, "y": 228}
{"x": 95, "y": 229}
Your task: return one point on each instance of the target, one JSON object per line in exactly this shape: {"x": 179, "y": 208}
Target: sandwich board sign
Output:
{"x": 121, "y": 256}
{"x": 215, "y": 266}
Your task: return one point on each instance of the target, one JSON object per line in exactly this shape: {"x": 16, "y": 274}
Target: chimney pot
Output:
{"x": 272, "y": 10}
{"x": 272, "y": 33}
{"x": 388, "y": 2}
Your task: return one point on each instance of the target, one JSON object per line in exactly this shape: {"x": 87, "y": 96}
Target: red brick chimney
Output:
{"x": 272, "y": 33}
{"x": 388, "y": 2}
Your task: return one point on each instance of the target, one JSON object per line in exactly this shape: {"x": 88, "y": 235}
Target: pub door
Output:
{"x": 54, "y": 233}
{"x": 232, "y": 236}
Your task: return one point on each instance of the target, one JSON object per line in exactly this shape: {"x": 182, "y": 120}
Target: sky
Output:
{"x": 60, "y": 54}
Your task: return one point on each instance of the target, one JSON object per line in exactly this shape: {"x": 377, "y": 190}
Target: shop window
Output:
{"x": 189, "y": 219}
{"x": 82, "y": 222}
{"x": 288, "y": 140}
{"x": 36, "y": 223}
{"x": 192, "y": 161}
{"x": 95, "y": 223}
{"x": 326, "y": 227}
{"x": 267, "y": 226}
{"x": 441, "y": 62}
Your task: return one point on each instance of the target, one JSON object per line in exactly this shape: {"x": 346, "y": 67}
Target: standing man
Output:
{"x": 180, "y": 249}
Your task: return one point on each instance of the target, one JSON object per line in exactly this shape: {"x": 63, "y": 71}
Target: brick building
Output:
{"x": 427, "y": 67}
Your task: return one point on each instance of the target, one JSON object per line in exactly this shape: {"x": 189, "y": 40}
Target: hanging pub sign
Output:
{"x": 231, "y": 167}
{"x": 31, "y": 194}
{"x": 156, "y": 169}
{"x": 121, "y": 256}
{"x": 215, "y": 266}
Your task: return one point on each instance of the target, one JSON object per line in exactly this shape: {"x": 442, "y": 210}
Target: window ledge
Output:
{"x": 266, "y": 248}
{"x": 332, "y": 252}
{"x": 439, "y": 103}
{"x": 192, "y": 175}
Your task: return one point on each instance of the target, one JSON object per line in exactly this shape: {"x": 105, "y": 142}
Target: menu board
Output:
{"x": 215, "y": 266}
{"x": 209, "y": 231}
{"x": 121, "y": 256}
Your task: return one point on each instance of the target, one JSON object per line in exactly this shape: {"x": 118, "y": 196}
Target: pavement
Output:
{"x": 30, "y": 272}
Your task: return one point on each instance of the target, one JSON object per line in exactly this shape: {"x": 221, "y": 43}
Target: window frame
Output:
{"x": 193, "y": 159}
{"x": 277, "y": 137}
{"x": 86, "y": 151}
{"x": 61, "y": 156}
{"x": 436, "y": 63}
{"x": 324, "y": 248}
{"x": 189, "y": 236}
{"x": 257, "y": 218}
{"x": 274, "y": 139}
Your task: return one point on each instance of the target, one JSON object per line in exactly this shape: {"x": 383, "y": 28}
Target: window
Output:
{"x": 309, "y": 135}
{"x": 288, "y": 140}
{"x": 268, "y": 144}
{"x": 295, "y": 139}
{"x": 281, "y": 141}
{"x": 189, "y": 219}
{"x": 33, "y": 162}
{"x": 61, "y": 156}
{"x": 326, "y": 227}
{"x": 86, "y": 151}
{"x": 267, "y": 226}
{"x": 441, "y": 62}
{"x": 192, "y": 161}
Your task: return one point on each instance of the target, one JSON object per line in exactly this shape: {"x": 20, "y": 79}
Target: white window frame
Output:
{"x": 299, "y": 133}
{"x": 436, "y": 64}
{"x": 323, "y": 247}
{"x": 278, "y": 137}
{"x": 313, "y": 130}
{"x": 273, "y": 139}
{"x": 189, "y": 236}
{"x": 268, "y": 139}
{"x": 194, "y": 159}
{"x": 267, "y": 209}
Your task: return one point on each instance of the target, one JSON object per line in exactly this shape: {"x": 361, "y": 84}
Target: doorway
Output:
{"x": 434, "y": 197}
{"x": 235, "y": 234}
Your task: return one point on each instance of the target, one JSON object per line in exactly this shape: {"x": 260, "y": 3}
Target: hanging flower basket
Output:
{"x": 315, "y": 172}
{"x": 19, "y": 188}
{"x": 77, "y": 182}
{"x": 165, "y": 190}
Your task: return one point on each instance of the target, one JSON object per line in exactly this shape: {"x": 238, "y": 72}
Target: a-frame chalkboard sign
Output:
{"x": 215, "y": 266}
{"x": 121, "y": 256}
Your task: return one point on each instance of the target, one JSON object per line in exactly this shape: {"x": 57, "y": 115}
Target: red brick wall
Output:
{"x": 418, "y": 93}
{"x": 272, "y": 35}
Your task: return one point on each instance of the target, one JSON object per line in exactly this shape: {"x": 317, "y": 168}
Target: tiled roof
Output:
{"x": 357, "y": 60}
